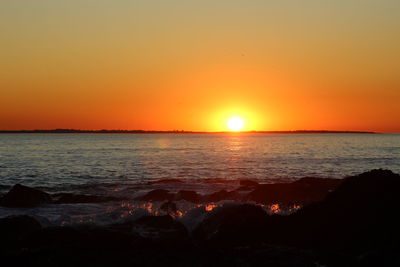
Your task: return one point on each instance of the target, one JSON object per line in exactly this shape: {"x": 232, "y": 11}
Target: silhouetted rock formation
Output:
{"x": 355, "y": 225}
{"x": 156, "y": 195}
{"x": 163, "y": 228}
{"x": 363, "y": 208}
{"x": 303, "y": 191}
{"x": 248, "y": 183}
{"x": 169, "y": 207}
{"x": 223, "y": 195}
{"x": 16, "y": 228}
{"x": 21, "y": 196}
{"x": 24, "y": 197}
{"x": 357, "y": 219}
{"x": 231, "y": 225}
{"x": 190, "y": 196}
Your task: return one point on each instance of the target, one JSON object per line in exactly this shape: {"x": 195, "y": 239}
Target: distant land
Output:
{"x": 179, "y": 131}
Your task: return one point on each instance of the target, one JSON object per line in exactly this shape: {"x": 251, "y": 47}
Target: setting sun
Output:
{"x": 235, "y": 124}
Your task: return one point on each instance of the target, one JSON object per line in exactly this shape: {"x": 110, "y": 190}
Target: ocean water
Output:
{"x": 127, "y": 165}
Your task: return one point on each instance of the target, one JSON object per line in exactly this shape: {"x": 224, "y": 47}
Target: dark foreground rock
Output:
{"x": 362, "y": 210}
{"x": 231, "y": 225}
{"x": 223, "y": 195}
{"x": 24, "y": 197}
{"x": 162, "y": 228}
{"x": 188, "y": 195}
{"x": 248, "y": 183}
{"x": 169, "y": 207}
{"x": 156, "y": 195}
{"x": 21, "y": 196}
{"x": 16, "y": 228}
{"x": 304, "y": 191}
{"x": 355, "y": 225}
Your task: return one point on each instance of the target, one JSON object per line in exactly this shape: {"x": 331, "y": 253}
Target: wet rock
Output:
{"x": 304, "y": 191}
{"x": 361, "y": 209}
{"x": 355, "y": 225}
{"x": 104, "y": 238}
{"x": 232, "y": 225}
{"x": 21, "y": 196}
{"x": 169, "y": 207}
{"x": 68, "y": 198}
{"x": 190, "y": 196}
{"x": 164, "y": 229}
{"x": 222, "y": 195}
{"x": 156, "y": 195}
{"x": 193, "y": 217}
{"x": 248, "y": 183}
{"x": 15, "y": 228}
{"x": 162, "y": 222}
{"x": 357, "y": 216}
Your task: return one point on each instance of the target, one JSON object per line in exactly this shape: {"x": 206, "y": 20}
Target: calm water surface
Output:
{"x": 125, "y": 165}
{"x": 76, "y": 159}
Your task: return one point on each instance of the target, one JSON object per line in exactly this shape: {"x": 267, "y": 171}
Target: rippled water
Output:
{"x": 126, "y": 165}
{"x": 74, "y": 159}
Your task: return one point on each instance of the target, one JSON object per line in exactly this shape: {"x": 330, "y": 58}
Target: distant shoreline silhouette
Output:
{"x": 181, "y": 131}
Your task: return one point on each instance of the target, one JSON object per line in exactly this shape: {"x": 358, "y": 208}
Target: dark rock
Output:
{"x": 161, "y": 228}
{"x": 15, "y": 228}
{"x": 362, "y": 209}
{"x": 357, "y": 216}
{"x": 164, "y": 222}
{"x": 355, "y": 225}
{"x": 21, "y": 196}
{"x": 231, "y": 225}
{"x": 222, "y": 195}
{"x": 169, "y": 207}
{"x": 248, "y": 183}
{"x": 190, "y": 196}
{"x": 156, "y": 195}
{"x": 68, "y": 198}
{"x": 104, "y": 238}
{"x": 304, "y": 191}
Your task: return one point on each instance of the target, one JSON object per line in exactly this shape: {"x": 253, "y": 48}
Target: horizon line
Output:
{"x": 139, "y": 131}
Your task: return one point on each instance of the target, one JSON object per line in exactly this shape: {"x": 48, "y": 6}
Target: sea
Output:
{"x": 129, "y": 165}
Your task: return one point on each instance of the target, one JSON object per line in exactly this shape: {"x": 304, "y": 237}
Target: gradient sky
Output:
{"x": 165, "y": 65}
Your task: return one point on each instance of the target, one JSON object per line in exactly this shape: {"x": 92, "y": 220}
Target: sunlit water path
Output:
{"x": 127, "y": 165}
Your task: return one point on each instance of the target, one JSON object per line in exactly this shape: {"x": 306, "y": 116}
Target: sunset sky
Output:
{"x": 192, "y": 65}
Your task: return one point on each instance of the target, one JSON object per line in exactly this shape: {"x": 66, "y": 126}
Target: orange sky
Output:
{"x": 190, "y": 65}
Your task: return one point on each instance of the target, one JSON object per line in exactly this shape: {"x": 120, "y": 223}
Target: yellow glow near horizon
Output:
{"x": 235, "y": 124}
{"x": 193, "y": 65}
{"x": 252, "y": 119}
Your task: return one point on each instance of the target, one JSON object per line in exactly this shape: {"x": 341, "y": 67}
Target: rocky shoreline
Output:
{"x": 348, "y": 222}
